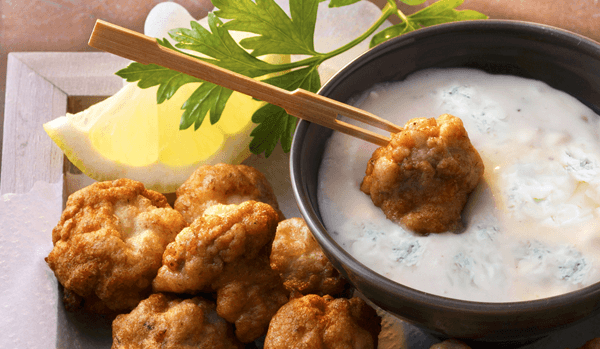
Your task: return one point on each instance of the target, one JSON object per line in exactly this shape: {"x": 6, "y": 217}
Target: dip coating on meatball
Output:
{"x": 423, "y": 177}
{"x": 109, "y": 242}
{"x": 168, "y": 322}
{"x": 300, "y": 261}
{"x": 222, "y": 184}
{"x": 324, "y": 322}
{"x": 227, "y": 251}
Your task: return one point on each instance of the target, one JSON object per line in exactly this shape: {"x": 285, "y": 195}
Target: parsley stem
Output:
{"x": 402, "y": 16}
{"x": 404, "y": 19}
{"x": 389, "y": 9}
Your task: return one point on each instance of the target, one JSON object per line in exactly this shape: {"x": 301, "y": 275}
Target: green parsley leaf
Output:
{"x": 277, "y": 33}
{"x": 443, "y": 11}
{"x": 221, "y": 47}
{"x": 413, "y": 2}
{"x": 169, "y": 81}
{"x": 151, "y": 75}
{"x": 305, "y": 78}
{"x": 207, "y": 98}
{"x": 274, "y": 124}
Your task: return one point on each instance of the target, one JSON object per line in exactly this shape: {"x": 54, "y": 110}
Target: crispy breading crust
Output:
{"x": 248, "y": 295}
{"x": 200, "y": 253}
{"x": 222, "y": 184}
{"x": 168, "y": 322}
{"x": 227, "y": 251}
{"x": 109, "y": 242}
{"x": 313, "y": 321}
{"x": 300, "y": 261}
{"x": 423, "y": 177}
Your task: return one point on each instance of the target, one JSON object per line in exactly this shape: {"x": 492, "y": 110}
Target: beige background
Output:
{"x": 65, "y": 25}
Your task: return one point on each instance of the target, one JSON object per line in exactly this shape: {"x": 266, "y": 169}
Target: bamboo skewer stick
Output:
{"x": 299, "y": 103}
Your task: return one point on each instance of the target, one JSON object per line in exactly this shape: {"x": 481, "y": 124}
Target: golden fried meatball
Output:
{"x": 109, "y": 242}
{"x": 303, "y": 266}
{"x": 224, "y": 235}
{"x": 423, "y": 177}
{"x": 168, "y": 322}
{"x": 248, "y": 295}
{"x": 222, "y": 184}
{"x": 227, "y": 251}
{"x": 450, "y": 344}
{"x": 313, "y": 321}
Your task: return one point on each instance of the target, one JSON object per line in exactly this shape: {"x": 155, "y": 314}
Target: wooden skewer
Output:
{"x": 299, "y": 103}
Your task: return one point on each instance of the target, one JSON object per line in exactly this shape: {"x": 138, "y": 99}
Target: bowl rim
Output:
{"x": 407, "y": 293}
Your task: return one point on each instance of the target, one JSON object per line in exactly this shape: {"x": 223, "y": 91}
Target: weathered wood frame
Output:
{"x": 41, "y": 86}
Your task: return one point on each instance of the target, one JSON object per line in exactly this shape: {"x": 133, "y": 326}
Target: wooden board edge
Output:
{"x": 38, "y": 87}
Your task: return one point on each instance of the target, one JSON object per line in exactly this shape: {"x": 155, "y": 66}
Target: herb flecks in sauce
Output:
{"x": 532, "y": 222}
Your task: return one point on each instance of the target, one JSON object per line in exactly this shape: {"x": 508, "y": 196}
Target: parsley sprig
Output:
{"x": 277, "y": 33}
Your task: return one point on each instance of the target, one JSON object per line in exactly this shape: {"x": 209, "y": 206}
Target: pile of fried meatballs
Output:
{"x": 220, "y": 269}
{"x": 224, "y": 268}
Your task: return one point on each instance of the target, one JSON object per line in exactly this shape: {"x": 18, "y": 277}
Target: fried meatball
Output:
{"x": 423, "y": 177}
{"x": 313, "y": 321}
{"x": 227, "y": 251}
{"x": 168, "y": 322}
{"x": 109, "y": 242}
{"x": 222, "y": 184}
{"x": 248, "y": 295}
{"x": 450, "y": 344}
{"x": 303, "y": 266}
{"x": 224, "y": 235}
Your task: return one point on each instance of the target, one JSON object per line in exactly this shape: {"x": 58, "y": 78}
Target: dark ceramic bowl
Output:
{"x": 563, "y": 60}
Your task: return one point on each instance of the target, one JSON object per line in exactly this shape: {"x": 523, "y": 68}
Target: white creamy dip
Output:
{"x": 533, "y": 222}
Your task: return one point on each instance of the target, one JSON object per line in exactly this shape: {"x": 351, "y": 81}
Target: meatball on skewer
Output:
{"x": 423, "y": 177}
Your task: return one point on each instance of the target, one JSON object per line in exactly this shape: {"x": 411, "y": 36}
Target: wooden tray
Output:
{"x": 43, "y": 86}
{"x": 39, "y": 88}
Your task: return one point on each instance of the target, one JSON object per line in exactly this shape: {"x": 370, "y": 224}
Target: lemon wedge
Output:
{"x": 129, "y": 135}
